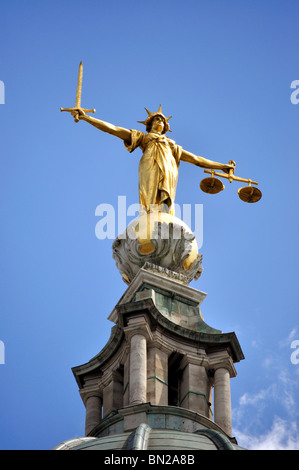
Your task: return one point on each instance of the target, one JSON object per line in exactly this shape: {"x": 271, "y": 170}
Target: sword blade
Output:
{"x": 79, "y": 86}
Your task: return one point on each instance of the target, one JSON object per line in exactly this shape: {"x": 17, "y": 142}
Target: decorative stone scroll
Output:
{"x": 158, "y": 239}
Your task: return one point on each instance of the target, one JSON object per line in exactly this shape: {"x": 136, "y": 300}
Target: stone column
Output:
{"x": 137, "y": 333}
{"x": 222, "y": 399}
{"x": 93, "y": 412}
{"x": 138, "y": 369}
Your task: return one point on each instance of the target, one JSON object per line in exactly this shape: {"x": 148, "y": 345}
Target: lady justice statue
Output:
{"x": 176, "y": 251}
{"x": 158, "y": 167}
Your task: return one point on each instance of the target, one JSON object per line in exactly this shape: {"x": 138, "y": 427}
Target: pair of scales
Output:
{"x": 212, "y": 185}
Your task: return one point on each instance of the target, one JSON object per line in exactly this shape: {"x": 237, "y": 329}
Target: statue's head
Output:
{"x": 154, "y": 119}
{"x": 157, "y": 124}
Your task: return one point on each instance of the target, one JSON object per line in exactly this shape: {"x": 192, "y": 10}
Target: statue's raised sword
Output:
{"x": 78, "y": 96}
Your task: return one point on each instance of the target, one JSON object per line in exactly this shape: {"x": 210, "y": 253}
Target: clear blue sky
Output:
{"x": 223, "y": 70}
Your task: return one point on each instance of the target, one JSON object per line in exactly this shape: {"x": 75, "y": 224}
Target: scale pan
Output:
{"x": 249, "y": 194}
{"x": 211, "y": 185}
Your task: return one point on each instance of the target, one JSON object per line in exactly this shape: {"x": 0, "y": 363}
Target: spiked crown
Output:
{"x": 150, "y": 116}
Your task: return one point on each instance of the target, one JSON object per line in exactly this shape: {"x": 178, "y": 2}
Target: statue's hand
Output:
{"x": 77, "y": 113}
{"x": 231, "y": 166}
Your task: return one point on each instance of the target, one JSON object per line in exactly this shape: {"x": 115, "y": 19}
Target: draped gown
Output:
{"x": 158, "y": 168}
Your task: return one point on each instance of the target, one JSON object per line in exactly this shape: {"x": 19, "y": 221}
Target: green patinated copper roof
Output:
{"x": 179, "y": 310}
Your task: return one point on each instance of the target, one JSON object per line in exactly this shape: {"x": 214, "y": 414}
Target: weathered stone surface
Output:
{"x": 161, "y": 239}
{"x": 160, "y": 363}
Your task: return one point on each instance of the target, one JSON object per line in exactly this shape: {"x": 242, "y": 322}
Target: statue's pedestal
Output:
{"x": 160, "y": 239}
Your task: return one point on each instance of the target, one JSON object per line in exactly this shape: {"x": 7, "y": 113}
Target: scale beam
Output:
{"x": 231, "y": 178}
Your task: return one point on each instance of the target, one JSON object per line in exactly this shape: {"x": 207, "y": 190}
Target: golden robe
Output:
{"x": 158, "y": 168}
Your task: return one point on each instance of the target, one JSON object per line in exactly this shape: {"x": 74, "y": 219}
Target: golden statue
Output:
{"x": 144, "y": 240}
{"x": 158, "y": 168}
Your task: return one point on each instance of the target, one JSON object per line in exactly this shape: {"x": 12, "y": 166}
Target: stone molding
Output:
{"x": 145, "y": 276}
{"x": 177, "y": 338}
{"x": 190, "y": 420}
{"x": 87, "y": 393}
{"x": 222, "y": 360}
{"x": 168, "y": 243}
{"x": 138, "y": 325}
{"x": 199, "y": 360}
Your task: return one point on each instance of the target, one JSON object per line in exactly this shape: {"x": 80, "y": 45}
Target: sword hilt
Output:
{"x": 74, "y": 109}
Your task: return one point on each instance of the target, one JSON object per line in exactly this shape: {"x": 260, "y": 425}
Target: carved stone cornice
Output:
{"x": 217, "y": 341}
{"x": 138, "y": 325}
{"x": 146, "y": 276}
{"x": 88, "y": 392}
{"x": 199, "y": 360}
{"x": 222, "y": 359}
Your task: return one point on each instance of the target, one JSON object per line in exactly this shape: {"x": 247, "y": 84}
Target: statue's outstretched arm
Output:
{"x": 120, "y": 132}
{"x": 204, "y": 162}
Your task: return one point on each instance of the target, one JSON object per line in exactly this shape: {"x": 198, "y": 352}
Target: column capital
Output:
{"x": 90, "y": 392}
{"x": 138, "y": 325}
{"x": 199, "y": 360}
{"x": 107, "y": 377}
{"x": 223, "y": 360}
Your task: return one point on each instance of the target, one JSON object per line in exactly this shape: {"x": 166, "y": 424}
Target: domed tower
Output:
{"x": 162, "y": 382}
{"x": 151, "y": 387}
